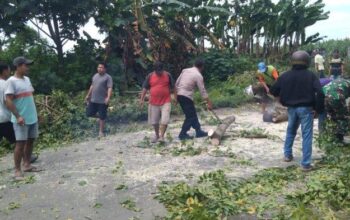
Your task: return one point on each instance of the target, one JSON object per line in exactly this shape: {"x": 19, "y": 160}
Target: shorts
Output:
{"x": 6, "y": 131}
{"x": 94, "y": 108}
{"x": 159, "y": 114}
{"x": 25, "y": 132}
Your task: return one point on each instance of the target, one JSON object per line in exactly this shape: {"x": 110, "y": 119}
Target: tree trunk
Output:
{"x": 216, "y": 136}
{"x": 257, "y": 50}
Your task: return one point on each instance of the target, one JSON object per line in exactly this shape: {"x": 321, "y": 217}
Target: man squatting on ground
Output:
{"x": 20, "y": 101}
{"x": 298, "y": 89}
{"x": 99, "y": 95}
{"x": 267, "y": 76}
{"x": 188, "y": 80}
{"x": 160, "y": 84}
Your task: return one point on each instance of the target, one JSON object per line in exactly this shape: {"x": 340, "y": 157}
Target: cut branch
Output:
{"x": 217, "y": 134}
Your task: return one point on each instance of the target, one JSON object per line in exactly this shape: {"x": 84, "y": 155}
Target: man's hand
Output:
{"x": 107, "y": 101}
{"x": 209, "y": 105}
{"x": 20, "y": 121}
{"x": 87, "y": 99}
{"x": 175, "y": 102}
{"x": 142, "y": 102}
{"x": 267, "y": 90}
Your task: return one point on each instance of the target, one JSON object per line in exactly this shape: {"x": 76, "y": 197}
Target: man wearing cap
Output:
{"x": 20, "y": 101}
{"x": 186, "y": 84}
{"x": 298, "y": 89}
{"x": 160, "y": 84}
{"x": 267, "y": 76}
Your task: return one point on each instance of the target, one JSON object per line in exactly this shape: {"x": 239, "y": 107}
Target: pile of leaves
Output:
{"x": 209, "y": 199}
{"x": 274, "y": 193}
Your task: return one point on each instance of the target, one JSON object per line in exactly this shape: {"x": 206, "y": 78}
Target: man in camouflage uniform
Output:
{"x": 336, "y": 105}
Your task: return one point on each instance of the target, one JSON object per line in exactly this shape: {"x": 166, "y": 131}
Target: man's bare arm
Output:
{"x": 87, "y": 98}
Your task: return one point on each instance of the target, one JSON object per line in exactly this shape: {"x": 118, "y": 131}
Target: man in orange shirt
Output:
{"x": 160, "y": 84}
{"x": 267, "y": 76}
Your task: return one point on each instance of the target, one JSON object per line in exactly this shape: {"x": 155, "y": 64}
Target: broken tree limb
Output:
{"x": 217, "y": 134}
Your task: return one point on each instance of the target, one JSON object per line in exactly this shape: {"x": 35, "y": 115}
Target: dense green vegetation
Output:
{"x": 139, "y": 32}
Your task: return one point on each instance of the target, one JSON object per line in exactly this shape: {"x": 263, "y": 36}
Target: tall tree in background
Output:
{"x": 59, "y": 20}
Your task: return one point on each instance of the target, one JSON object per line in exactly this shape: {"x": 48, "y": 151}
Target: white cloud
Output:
{"x": 335, "y": 27}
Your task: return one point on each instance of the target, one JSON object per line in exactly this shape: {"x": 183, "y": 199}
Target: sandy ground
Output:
{"x": 79, "y": 180}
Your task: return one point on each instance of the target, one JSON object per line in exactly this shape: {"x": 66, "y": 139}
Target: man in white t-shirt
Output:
{"x": 6, "y": 128}
{"x": 319, "y": 64}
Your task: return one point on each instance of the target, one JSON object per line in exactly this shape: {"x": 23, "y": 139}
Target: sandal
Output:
{"x": 33, "y": 169}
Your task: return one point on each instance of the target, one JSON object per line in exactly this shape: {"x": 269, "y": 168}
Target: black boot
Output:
{"x": 200, "y": 133}
{"x": 184, "y": 136}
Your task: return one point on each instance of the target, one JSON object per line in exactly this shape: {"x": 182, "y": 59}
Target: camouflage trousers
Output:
{"x": 339, "y": 114}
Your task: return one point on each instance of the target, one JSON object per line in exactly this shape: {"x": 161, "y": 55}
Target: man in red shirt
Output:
{"x": 160, "y": 84}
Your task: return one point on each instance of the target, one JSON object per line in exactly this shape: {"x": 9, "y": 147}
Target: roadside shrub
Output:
{"x": 231, "y": 92}
{"x": 220, "y": 64}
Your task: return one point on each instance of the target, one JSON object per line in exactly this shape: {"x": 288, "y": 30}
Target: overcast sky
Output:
{"x": 336, "y": 27}
{"x": 338, "y": 24}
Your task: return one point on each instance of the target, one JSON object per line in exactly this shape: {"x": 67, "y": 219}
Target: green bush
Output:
{"x": 231, "y": 92}
{"x": 220, "y": 64}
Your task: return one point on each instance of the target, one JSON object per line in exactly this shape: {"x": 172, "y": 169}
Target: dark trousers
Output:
{"x": 191, "y": 119}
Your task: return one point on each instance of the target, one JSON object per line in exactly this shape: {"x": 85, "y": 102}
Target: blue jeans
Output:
{"x": 305, "y": 117}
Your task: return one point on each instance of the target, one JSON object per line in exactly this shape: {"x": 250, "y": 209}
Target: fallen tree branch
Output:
{"x": 217, "y": 134}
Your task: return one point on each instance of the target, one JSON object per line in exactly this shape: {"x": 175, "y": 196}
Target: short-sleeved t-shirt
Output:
{"x": 100, "y": 84}
{"x": 22, "y": 90}
{"x": 5, "y": 114}
{"x": 270, "y": 75}
{"x": 336, "y": 66}
{"x": 319, "y": 61}
{"x": 160, "y": 88}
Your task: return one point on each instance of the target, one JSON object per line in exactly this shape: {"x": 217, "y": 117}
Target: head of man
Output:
{"x": 158, "y": 67}
{"x": 101, "y": 68}
{"x": 262, "y": 67}
{"x": 199, "y": 63}
{"x": 4, "y": 71}
{"x": 22, "y": 65}
{"x": 336, "y": 54}
{"x": 300, "y": 60}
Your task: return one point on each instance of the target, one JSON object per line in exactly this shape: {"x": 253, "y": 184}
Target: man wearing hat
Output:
{"x": 20, "y": 101}
{"x": 298, "y": 89}
{"x": 267, "y": 76}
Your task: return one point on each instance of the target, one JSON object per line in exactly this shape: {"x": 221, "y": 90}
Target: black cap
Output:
{"x": 22, "y": 60}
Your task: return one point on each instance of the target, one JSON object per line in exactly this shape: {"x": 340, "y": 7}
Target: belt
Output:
{"x": 24, "y": 94}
